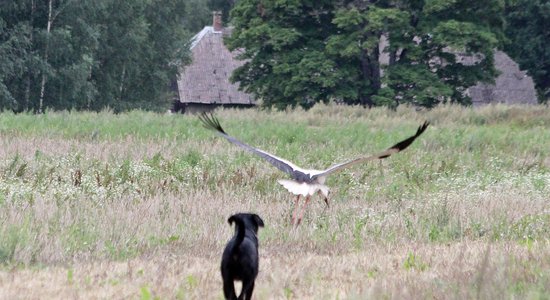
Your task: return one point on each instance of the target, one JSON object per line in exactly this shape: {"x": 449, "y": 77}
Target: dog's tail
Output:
{"x": 241, "y": 230}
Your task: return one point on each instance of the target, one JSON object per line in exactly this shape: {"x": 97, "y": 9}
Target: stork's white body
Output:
{"x": 303, "y": 188}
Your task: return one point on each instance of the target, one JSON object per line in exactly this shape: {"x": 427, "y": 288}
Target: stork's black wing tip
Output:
{"x": 211, "y": 122}
{"x": 405, "y": 143}
{"x": 422, "y": 127}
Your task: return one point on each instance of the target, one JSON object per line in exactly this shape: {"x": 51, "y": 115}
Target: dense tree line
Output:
{"x": 325, "y": 50}
{"x": 303, "y": 52}
{"x": 124, "y": 54}
{"x": 528, "y": 30}
{"x": 68, "y": 54}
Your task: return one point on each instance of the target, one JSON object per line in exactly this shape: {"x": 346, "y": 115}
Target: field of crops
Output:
{"x": 109, "y": 206}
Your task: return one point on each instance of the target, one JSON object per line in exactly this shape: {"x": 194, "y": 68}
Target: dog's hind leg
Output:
{"x": 229, "y": 290}
{"x": 248, "y": 288}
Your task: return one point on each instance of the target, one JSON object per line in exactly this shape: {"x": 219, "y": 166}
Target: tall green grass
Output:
{"x": 104, "y": 185}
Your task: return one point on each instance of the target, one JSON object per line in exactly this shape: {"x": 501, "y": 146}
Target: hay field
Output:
{"x": 105, "y": 206}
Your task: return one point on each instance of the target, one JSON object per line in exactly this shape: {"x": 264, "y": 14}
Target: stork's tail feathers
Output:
{"x": 303, "y": 188}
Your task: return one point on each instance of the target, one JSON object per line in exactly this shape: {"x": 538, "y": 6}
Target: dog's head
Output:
{"x": 250, "y": 221}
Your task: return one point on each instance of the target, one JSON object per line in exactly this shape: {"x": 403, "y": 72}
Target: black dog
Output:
{"x": 240, "y": 259}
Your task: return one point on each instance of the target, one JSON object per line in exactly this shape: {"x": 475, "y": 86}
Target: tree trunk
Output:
{"x": 28, "y": 77}
{"x": 89, "y": 100}
{"x": 46, "y": 49}
{"x": 370, "y": 67}
{"x": 121, "y": 86}
{"x": 393, "y": 57}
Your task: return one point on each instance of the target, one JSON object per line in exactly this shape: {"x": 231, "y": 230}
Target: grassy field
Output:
{"x": 104, "y": 206}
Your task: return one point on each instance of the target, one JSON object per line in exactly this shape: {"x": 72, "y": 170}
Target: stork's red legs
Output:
{"x": 296, "y": 206}
{"x": 324, "y": 198}
{"x": 303, "y": 209}
{"x": 295, "y": 209}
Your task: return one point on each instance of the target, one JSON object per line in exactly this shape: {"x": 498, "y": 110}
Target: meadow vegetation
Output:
{"x": 103, "y": 205}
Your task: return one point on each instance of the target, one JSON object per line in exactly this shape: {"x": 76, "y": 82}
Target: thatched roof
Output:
{"x": 206, "y": 79}
{"x": 512, "y": 86}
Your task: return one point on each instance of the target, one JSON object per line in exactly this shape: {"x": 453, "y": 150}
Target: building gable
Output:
{"x": 206, "y": 79}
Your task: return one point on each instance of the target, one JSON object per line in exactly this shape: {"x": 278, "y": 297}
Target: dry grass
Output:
{"x": 464, "y": 213}
{"x": 460, "y": 270}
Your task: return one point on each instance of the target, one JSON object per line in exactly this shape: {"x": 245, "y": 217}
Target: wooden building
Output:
{"x": 204, "y": 84}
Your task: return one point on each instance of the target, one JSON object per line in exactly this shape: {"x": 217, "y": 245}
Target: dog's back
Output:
{"x": 240, "y": 260}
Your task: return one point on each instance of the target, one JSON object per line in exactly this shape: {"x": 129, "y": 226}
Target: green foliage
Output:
{"x": 70, "y": 276}
{"x": 192, "y": 282}
{"x": 15, "y": 236}
{"x": 92, "y": 55}
{"x": 527, "y": 29}
{"x": 11, "y": 237}
{"x": 283, "y": 42}
{"x": 198, "y": 13}
{"x": 329, "y": 50}
{"x": 415, "y": 84}
{"x": 14, "y": 56}
{"x": 224, "y": 6}
{"x": 146, "y": 294}
{"x": 413, "y": 262}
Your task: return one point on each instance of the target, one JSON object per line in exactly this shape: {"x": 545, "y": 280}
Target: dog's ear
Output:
{"x": 258, "y": 220}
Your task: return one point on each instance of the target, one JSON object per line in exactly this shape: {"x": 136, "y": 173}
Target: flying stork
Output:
{"x": 306, "y": 182}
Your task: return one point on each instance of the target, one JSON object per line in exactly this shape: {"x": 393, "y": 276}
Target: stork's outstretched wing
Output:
{"x": 210, "y": 122}
{"x": 393, "y": 149}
